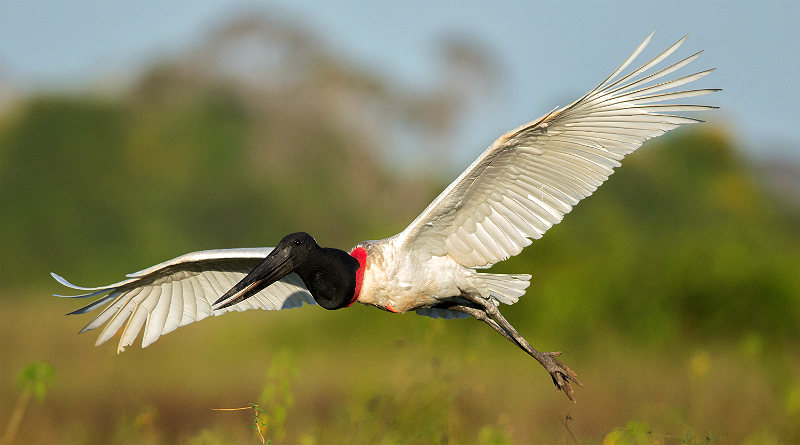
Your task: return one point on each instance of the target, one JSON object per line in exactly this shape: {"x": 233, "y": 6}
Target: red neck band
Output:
{"x": 361, "y": 255}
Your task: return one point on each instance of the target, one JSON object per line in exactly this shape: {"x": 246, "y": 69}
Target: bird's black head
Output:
{"x": 329, "y": 274}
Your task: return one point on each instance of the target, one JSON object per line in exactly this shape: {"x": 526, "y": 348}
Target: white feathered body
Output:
{"x": 397, "y": 280}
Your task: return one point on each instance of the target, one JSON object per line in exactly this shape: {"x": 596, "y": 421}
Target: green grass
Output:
{"x": 364, "y": 377}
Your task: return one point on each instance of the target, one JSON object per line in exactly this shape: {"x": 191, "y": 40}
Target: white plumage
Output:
{"x": 522, "y": 185}
{"x": 180, "y": 291}
{"x": 530, "y": 177}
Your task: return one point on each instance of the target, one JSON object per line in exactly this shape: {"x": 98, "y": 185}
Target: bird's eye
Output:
{"x": 297, "y": 242}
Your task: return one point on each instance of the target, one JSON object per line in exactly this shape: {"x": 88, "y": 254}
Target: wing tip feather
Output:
{"x": 63, "y": 281}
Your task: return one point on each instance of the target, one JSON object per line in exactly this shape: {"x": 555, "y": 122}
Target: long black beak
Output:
{"x": 275, "y": 266}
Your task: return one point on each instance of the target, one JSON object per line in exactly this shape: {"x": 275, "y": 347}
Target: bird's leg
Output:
{"x": 488, "y": 312}
{"x": 481, "y": 315}
{"x": 559, "y": 372}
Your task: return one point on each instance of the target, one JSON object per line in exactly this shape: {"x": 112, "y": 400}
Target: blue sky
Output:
{"x": 549, "y": 52}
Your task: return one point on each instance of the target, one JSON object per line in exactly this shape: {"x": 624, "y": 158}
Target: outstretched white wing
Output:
{"x": 181, "y": 291}
{"x": 529, "y": 178}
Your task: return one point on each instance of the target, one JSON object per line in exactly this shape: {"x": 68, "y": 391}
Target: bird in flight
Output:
{"x": 522, "y": 185}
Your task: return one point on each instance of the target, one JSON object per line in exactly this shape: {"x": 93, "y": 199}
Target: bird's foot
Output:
{"x": 560, "y": 373}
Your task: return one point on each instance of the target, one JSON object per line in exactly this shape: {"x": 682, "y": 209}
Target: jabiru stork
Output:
{"x": 522, "y": 185}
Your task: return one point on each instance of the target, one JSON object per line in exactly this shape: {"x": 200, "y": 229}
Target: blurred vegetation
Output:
{"x": 33, "y": 381}
{"x": 680, "y": 274}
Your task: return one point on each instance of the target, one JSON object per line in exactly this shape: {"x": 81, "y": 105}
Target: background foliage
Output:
{"x": 673, "y": 291}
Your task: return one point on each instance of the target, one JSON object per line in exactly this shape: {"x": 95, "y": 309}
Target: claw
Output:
{"x": 561, "y": 374}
